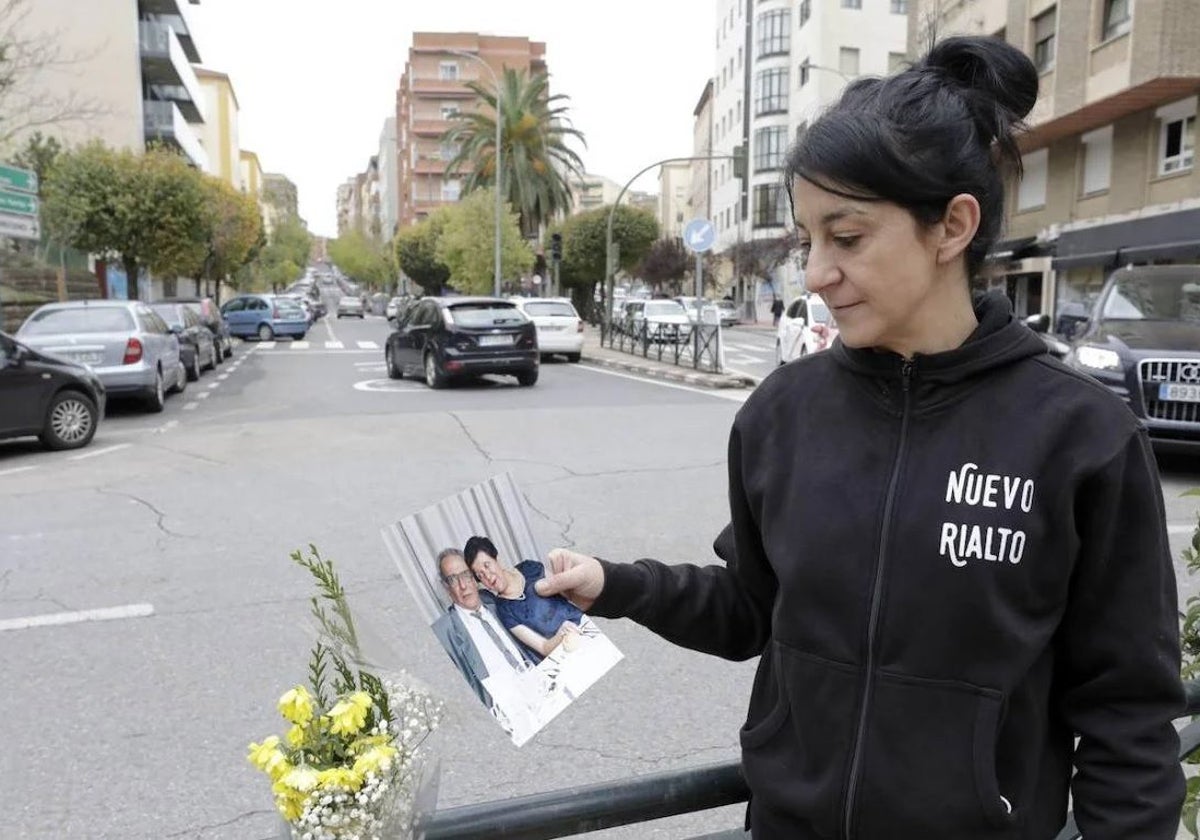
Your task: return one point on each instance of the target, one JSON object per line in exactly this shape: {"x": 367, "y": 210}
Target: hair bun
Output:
{"x": 998, "y": 81}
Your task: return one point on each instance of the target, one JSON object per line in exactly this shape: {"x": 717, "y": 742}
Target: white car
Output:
{"x": 806, "y": 327}
{"x": 350, "y": 306}
{"x": 665, "y": 320}
{"x": 559, "y": 327}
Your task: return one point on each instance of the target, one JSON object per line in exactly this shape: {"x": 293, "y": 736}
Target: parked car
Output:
{"x": 706, "y": 311}
{"x": 731, "y": 313}
{"x": 60, "y": 402}
{"x": 559, "y": 327}
{"x": 210, "y": 314}
{"x": 126, "y": 343}
{"x": 197, "y": 347}
{"x": 393, "y": 307}
{"x": 265, "y": 317}
{"x": 665, "y": 320}
{"x": 807, "y": 326}
{"x": 1142, "y": 340}
{"x": 445, "y": 338}
{"x": 350, "y": 307}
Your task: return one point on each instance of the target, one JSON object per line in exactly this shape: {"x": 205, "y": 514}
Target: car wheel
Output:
{"x": 265, "y": 333}
{"x": 574, "y": 357}
{"x": 434, "y": 378}
{"x": 156, "y": 399}
{"x": 214, "y": 358}
{"x": 394, "y": 370}
{"x": 181, "y": 380}
{"x": 193, "y": 371}
{"x": 229, "y": 350}
{"x": 526, "y": 378}
{"x": 299, "y": 337}
{"x": 70, "y": 421}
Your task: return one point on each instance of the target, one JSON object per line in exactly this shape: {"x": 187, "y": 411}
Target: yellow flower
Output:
{"x": 302, "y": 778}
{"x": 367, "y": 741}
{"x": 297, "y": 735}
{"x": 290, "y": 806}
{"x": 374, "y": 759}
{"x": 339, "y": 777}
{"x": 350, "y": 715}
{"x": 267, "y": 756}
{"x": 296, "y": 706}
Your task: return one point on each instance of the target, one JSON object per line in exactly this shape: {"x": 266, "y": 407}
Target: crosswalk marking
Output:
{"x": 266, "y": 345}
{"x": 367, "y": 345}
{"x": 299, "y": 345}
{"x": 334, "y": 345}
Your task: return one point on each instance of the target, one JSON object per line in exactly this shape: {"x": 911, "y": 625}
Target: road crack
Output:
{"x": 474, "y": 442}
{"x": 161, "y": 516}
{"x": 200, "y": 828}
{"x": 174, "y": 451}
{"x": 563, "y": 528}
{"x": 637, "y": 471}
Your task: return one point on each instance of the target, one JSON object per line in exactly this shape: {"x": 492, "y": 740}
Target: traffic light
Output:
{"x": 739, "y": 161}
{"x": 556, "y": 246}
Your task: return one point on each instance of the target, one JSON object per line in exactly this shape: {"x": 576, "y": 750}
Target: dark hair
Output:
{"x": 476, "y": 545}
{"x": 926, "y": 134}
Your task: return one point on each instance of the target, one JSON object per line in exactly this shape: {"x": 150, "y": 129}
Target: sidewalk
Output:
{"x": 628, "y": 362}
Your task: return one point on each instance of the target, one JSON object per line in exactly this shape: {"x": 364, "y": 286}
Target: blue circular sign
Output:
{"x": 699, "y": 235}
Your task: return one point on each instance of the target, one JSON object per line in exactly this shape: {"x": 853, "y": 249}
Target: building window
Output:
{"x": 851, "y": 4}
{"x": 1097, "y": 160}
{"x": 770, "y": 92}
{"x": 770, "y": 145}
{"x": 848, "y": 61}
{"x": 739, "y": 110}
{"x": 1116, "y": 18}
{"x": 448, "y": 151}
{"x": 899, "y": 7}
{"x": 739, "y": 56}
{"x": 1177, "y": 136}
{"x": 1043, "y": 39}
{"x": 448, "y": 71}
{"x": 449, "y": 112}
{"x": 770, "y": 205}
{"x": 805, "y": 69}
{"x": 1032, "y": 191}
{"x": 805, "y": 12}
{"x": 896, "y": 62}
{"x": 450, "y": 189}
{"x": 774, "y": 35}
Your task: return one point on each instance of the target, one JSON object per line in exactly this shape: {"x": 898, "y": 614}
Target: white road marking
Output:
{"x": 322, "y": 353}
{"x": 15, "y": 470}
{"x": 191, "y": 406}
{"x": 391, "y": 386}
{"x": 733, "y": 395}
{"x": 265, "y": 345}
{"x": 203, "y": 395}
{"x": 214, "y": 385}
{"x": 366, "y": 364}
{"x": 103, "y": 614}
{"x": 299, "y": 345}
{"x": 223, "y": 377}
{"x": 334, "y": 345}
{"x": 367, "y": 345}
{"x": 97, "y": 452}
{"x": 329, "y": 328}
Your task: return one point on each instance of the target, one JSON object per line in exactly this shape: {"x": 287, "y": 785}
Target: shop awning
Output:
{"x": 1161, "y": 237}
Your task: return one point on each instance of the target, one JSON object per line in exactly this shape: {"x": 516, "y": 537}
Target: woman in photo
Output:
{"x": 948, "y": 548}
{"x": 539, "y": 623}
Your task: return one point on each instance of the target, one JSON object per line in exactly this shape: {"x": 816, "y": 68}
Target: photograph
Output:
{"x": 471, "y": 562}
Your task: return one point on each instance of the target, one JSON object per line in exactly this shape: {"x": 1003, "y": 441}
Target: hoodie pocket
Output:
{"x": 797, "y": 739}
{"x": 929, "y": 762}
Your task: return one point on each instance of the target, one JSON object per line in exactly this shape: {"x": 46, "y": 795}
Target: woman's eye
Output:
{"x": 846, "y": 241}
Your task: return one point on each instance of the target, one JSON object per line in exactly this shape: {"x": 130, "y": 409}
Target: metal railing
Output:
{"x": 573, "y": 811}
{"x": 696, "y": 346}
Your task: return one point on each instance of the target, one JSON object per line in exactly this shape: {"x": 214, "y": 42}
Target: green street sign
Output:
{"x": 18, "y": 203}
{"x": 20, "y": 180}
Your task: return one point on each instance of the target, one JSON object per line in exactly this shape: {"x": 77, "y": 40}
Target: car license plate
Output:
{"x": 87, "y": 358}
{"x": 1179, "y": 392}
{"x": 495, "y": 340}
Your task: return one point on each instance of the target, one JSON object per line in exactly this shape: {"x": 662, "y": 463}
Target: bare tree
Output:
{"x": 27, "y": 57}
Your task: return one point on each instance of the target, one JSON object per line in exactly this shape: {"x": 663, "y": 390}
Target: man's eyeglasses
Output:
{"x": 462, "y": 577}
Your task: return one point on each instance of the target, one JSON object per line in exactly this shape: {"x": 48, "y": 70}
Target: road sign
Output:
{"x": 20, "y": 227}
{"x": 21, "y": 180}
{"x": 18, "y": 204}
{"x": 699, "y": 235}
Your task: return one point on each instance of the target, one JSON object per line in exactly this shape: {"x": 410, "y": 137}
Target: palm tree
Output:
{"x": 534, "y": 153}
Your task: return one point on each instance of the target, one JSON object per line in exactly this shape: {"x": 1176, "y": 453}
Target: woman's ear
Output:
{"x": 959, "y": 225}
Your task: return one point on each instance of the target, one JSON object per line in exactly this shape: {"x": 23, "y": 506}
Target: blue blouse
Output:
{"x": 540, "y": 614}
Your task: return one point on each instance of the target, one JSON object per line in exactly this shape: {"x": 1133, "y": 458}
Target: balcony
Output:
{"x": 165, "y": 123}
{"x": 430, "y": 127}
{"x": 174, "y": 12}
{"x": 444, "y": 88}
{"x": 167, "y": 71}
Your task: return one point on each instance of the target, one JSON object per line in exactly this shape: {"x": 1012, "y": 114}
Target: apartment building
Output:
{"x": 674, "y": 190}
{"x": 700, "y": 194}
{"x": 432, "y": 90}
{"x": 1110, "y": 162}
{"x": 219, "y": 134}
{"x": 389, "y": 180}
{"x": 591, "y": 192}
{"x": 123, "y": 73}
{"x": 345, "y": 193}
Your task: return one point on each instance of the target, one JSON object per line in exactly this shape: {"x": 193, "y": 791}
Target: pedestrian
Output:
{"x": 776, "y": 311}
{"x": 962, "y": 592}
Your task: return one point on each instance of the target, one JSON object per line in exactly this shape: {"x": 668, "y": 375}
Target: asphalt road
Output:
{"x": 749, "y": 350}
{"x": 137, "y": 727}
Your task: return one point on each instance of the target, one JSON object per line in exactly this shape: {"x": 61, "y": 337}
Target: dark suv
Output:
{"x": 1142, "y": 340}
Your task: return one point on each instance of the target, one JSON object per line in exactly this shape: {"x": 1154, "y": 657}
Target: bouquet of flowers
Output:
{"x": 350, "y": 765}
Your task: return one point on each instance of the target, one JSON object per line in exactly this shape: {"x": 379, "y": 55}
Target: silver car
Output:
{"x": 127, "y": 344}
{"x": 350, "y": 307}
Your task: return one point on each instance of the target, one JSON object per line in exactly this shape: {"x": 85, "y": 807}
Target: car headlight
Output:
{"x": 1097, "y": 358}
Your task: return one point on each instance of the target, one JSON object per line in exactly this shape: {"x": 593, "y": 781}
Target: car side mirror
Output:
{"x": 1038, "y": 323}
{"x": 18, "y": 355}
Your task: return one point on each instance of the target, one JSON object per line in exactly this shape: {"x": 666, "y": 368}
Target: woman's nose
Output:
{"x": 820, "y": 271}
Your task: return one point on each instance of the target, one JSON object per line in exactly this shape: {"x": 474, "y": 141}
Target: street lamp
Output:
{"x": 499, "y": 200}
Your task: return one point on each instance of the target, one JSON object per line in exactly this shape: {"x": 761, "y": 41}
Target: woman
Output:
{"x": 970, "y": 569}
{"x": 539, "y": 623}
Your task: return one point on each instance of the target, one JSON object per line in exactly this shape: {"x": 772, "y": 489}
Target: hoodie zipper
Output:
{"x": 873, "y": 624}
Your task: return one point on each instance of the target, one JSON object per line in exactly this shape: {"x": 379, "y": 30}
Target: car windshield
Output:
{"x": 550, "y": 307}
{"x": 486, "y": 314}
{"x": 664, "y": 307}
{"x": 98, "y": 319}
{"x": 169, "y": 312}
{"x": 1156, "y": 298}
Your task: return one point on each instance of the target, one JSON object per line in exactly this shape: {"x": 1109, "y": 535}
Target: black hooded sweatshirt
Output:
{"x": 952, "y": 566}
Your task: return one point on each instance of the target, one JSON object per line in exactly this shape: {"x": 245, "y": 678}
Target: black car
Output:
{"x": 58, "y": 401}
{"x": 210, "y": 315}
{"x": 1142, "y": 340}
{"x": 197, "y": 345}
{"x": 445, "y": 338}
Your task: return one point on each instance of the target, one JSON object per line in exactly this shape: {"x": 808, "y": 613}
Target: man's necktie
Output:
{"x": 495, "y": 637}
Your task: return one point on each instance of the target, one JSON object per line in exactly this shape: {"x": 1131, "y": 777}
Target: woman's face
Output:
{"x": 490, "y": 572}
{"x": 871, "y": 262}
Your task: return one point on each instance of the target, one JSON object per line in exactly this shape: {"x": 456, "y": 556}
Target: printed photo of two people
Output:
{"x": 471, "y": 562}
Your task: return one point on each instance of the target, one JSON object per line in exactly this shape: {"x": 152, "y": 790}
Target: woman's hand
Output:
{"x": 577, "y": 577}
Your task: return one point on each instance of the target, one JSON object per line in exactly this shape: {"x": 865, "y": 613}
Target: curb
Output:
{"x": 703, "y": 380}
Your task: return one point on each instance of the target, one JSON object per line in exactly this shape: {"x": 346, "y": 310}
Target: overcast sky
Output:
{"x": 316, "y": 80}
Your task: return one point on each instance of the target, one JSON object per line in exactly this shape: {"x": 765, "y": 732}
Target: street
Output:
{"x": 137, "y": 726}
{"x": 749, "y": 349}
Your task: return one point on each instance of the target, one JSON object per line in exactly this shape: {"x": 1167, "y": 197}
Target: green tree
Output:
{"x": 39, "y": 154}
{"x": 534, "y": 155}
{"x": 466, "y": 246}
{"x": 416, "y": 252}
{"x": 233, "y": 234}
{"x": 146, "y": 211}
{"x": 280, "y": 259}
{"x": 584, "y": 257}
{"x": 667, "y": 261}
{"x": 363, "y": 259}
